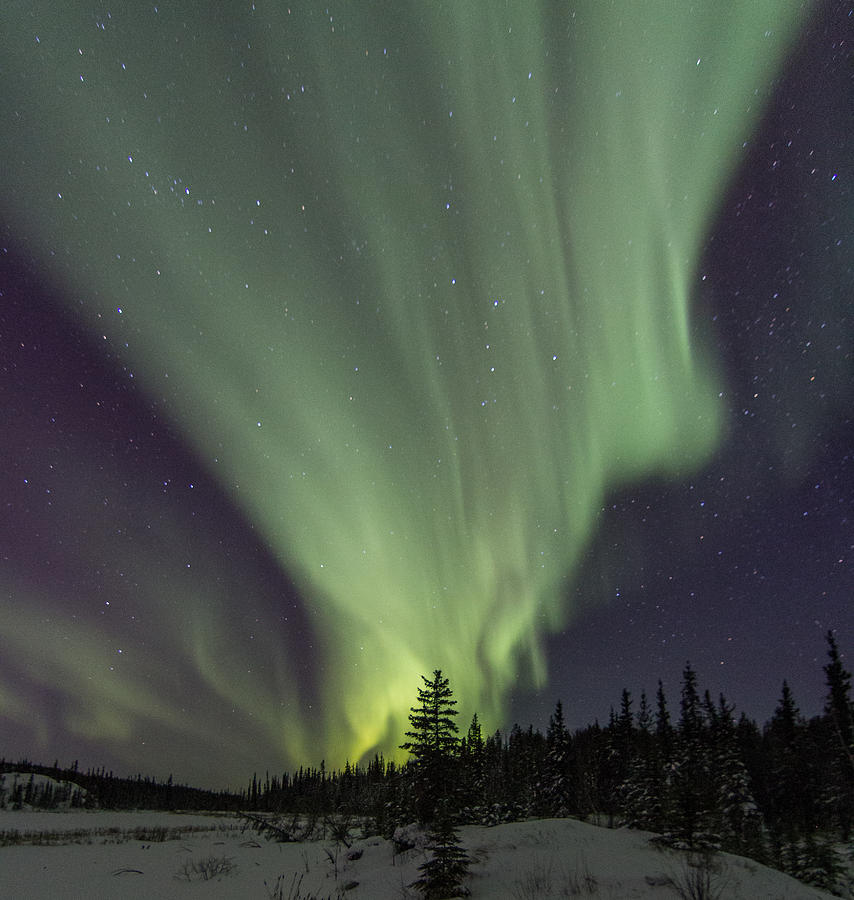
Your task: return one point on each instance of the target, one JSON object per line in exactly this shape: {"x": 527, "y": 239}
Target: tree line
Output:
{"x": 694, "y": 773}
{"x": 100, "y": 789}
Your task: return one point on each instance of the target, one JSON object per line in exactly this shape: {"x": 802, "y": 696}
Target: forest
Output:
{"x": 695, "y": 774}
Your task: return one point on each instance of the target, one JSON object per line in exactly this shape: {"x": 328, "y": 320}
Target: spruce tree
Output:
{"x": 738, "y": 819}
{"x": 791, "y": 783}
{"x": 443, "y": 873}
{"x": 525, "y": 760}
{"x": 838, "y": 706}
{"x": 839, "y": 714}
{"x": 642, "y": 789}
{"x": 693, "y": 786}
{"x": 433, "y": 744}
{"x": 473, "y": 774}
{"x": 644, "y": 724}
{"x": 623, "y": 736}
{"x": 555, "y": 788}
{"x": 663, "y": 728}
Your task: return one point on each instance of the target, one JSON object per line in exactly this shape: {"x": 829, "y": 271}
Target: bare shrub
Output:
{"x": 293, "y": 889}
{"x": 272, "y": 829}
{"x": 701, "y": 877}
{"x": 206, "y": 868}
{"x": 534, "y": 883}
{"x": 153, "y": 834}
{"x": 579, "y": 881}
{"x": 339, "y": 827}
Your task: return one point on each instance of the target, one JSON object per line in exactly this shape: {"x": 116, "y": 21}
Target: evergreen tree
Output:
{"x": 474, "y": 736}
{"x": 443, "y": 873}
{"x": 786, "y": 721}
{"x": 663, "y": 728}
{"x": 30, "y": 790}
{"x": 738, "y": 819}
{"x": 750, "y": 750}
{"x": 839, "y": 714}
{"x": 623, "y": 742}
{"x": 496, "y": 790}
{"x": 586, "y": 768}
{"x": 816, "y": 861}
{"x": 644, "y": 724}
{"x": 433, "y": 744}
{"x": 838, "y": 705}
{"x": 473, "y": 774}
{"x": 692, "y": 799}
{"x": 555, "y": 788}
{"x": 791, "y": 789}
{"x": 526, "y": 754}
{"x": 643, "y": 787}
{"x": 690, "y": 713}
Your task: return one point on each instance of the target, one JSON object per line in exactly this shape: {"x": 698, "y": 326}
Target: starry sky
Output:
{"x": 342, "y": 344}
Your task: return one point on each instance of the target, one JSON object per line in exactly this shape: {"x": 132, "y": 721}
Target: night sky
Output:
{"x": 344, "y": 343}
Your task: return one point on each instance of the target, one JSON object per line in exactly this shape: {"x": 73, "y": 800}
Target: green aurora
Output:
{"x": 415, "y": 283}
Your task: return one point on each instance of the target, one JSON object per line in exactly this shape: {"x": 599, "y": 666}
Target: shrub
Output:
{"x": 701, "y": 877}
{"x": 294, "y": 891}
{"x": 206, "y": 868}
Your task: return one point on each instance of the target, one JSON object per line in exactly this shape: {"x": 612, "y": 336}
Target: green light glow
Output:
{"x": 416, "y": 285}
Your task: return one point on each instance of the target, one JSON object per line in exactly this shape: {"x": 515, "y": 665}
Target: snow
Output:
{"x": 63, "y": 791}
{"x": 101, "y": 854}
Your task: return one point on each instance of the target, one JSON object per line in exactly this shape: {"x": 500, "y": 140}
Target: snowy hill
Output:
{"x": 26, "y": 790}
{"x": 103, "y": 855}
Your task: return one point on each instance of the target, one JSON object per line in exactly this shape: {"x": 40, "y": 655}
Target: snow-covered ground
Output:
{"x": 95, "y": 855}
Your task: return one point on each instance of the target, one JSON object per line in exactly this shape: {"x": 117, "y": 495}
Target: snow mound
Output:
{"x": 27, "y": 790}
{"x": 534, "y": 860}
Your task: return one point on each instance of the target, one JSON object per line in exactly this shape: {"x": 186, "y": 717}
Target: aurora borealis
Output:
{"x": 345, "y": 326}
